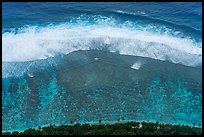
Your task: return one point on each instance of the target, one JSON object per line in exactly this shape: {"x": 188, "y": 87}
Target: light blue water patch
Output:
{"x": 51, "y": 102}
{"x": 106, "y": 103}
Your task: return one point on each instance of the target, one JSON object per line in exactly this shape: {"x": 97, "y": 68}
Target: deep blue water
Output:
{"x": 184, "y": 17}
{"x": 20, "y": 14}
{"x": 164, "y": 31}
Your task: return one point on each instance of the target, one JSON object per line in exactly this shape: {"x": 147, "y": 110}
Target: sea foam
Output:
{"x": 40, "y": 42}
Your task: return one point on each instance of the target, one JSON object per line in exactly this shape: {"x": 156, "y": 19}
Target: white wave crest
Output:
{"x": 33, "y": 43}
{"x": 131, "y": 13}
{"x": 136, "y": 65}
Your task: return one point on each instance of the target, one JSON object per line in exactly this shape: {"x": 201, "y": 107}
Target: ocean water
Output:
{"x": 67, "y": 61}
{"x": 164, "y": 31}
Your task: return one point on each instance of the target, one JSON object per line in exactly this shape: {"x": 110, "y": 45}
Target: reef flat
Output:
{"x": 85, "y": 86}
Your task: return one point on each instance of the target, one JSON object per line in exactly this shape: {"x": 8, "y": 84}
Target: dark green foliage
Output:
{"x": 15, "y": 133}
{"x": 129, "y": 128}
{"x": 71, "y": 122}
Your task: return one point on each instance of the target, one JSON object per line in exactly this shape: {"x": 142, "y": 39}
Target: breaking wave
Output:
{"x": 103, "y": 33}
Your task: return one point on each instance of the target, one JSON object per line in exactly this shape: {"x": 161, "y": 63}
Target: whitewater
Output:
{"x": 30, "y": 43}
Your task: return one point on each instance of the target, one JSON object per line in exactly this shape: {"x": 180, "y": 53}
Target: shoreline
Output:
{"x": 105, "y": 123}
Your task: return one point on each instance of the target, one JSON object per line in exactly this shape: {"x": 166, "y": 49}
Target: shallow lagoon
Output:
{"x": 80, "y": 88}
